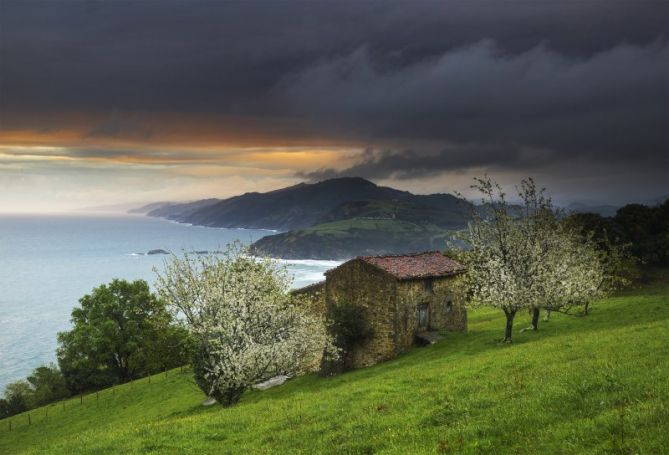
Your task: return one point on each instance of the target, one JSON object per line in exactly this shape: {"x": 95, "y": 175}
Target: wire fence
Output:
{"x": 78, "y": 403}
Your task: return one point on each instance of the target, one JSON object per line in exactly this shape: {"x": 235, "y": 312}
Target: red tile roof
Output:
{"x": 411, "y": 266}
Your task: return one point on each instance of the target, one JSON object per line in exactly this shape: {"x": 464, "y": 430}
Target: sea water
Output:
{"x": 48, "y": 262}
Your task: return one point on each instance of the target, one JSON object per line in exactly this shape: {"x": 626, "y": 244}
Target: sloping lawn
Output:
{"x": 595, "y": 384}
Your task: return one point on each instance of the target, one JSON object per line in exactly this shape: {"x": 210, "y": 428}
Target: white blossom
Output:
{"x": 247, "y": 326}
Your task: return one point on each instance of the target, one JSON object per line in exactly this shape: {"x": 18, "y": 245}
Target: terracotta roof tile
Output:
{"x": 419, "y": 265}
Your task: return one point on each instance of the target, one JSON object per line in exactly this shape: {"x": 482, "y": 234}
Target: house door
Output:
{"x": 423, "y": 317}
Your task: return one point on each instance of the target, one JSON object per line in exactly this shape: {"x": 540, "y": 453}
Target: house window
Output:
{"x": 448, "y": 306}
{"x": 428, "y": 285}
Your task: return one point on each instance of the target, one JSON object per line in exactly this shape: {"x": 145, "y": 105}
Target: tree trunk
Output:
{"x": 585, "y": 310}
{"x": 535, "y": 318}
{"x": 509, "y": 325}
{"x": 229, "y": 396}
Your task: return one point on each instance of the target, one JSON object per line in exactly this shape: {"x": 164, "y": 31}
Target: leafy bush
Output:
{"x": 48, "y": 385}
{"x": 17, "y": 398}
{"x": 349, "y": 327}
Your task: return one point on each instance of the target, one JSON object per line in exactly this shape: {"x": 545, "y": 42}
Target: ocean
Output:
{"x": 48, "y": 262}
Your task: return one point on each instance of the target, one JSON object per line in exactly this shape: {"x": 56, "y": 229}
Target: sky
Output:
{"x": 130, "y": 102}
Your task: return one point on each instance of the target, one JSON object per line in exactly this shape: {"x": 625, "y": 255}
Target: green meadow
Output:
{"x": 595, "y": 384}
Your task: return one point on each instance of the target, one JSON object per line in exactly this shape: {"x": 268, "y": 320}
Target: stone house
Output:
{"x": 406, "y": 298}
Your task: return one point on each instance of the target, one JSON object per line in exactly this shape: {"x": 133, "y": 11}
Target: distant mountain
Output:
{"x": 305, "y": 204}
{"x": 609, "y": 209}
{"x": 149, "y": 207}
{"x": 181, "y": 211}
{"x": 111, "y": 208}
{"x": 652, "y": 202}
{"x": 603, "y": 210}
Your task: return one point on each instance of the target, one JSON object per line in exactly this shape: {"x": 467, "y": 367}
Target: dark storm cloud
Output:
{"x": 458, "y": 84}
{"x": 409, "y": 164}
{"x": 228, "y": 55}
{"x": 519, "y": 110}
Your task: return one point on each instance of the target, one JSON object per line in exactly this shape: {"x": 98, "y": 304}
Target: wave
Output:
{"x": 312, "y": 262}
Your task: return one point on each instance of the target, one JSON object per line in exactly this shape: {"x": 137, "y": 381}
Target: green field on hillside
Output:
{"x": 347, "y": 227}
{"x": 352, "y": 237}
{"x": 595, "y": 384}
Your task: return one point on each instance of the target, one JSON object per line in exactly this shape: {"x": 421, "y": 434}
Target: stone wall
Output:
{"x": 375, "y": 291}
{"x": 413, "y": 293}
{"x": 312, "y": 296}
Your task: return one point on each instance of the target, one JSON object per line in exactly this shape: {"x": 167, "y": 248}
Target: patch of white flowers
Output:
{"x": 524, "y": 257}
{"x": 246, "y": 325}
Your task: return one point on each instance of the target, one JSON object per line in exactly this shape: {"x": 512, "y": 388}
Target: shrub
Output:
{"x": 18, "y": 395}
{"x": 48, "y": 385}
{"x": 349, "y": 327}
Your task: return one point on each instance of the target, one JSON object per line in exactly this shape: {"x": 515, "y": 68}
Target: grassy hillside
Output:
{"x": 596, "y": 384}
{"x": 401, "y": 210}
{"x": 348, "y": 238}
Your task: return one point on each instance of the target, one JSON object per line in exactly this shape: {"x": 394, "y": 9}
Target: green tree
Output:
{"x": 17, "y": 398}
{"x": 647, "y": 229}
{"x": 119, "y": 332}
{"x": 48, "y": 385}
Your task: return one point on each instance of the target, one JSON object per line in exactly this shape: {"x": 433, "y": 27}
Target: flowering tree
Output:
{"x": 524, "y": 257}
{"x": 495, "y": 259}
{"x": 573, "y": 272}
{"x": 571, "y": 269}
{"x": 247, "y": 326}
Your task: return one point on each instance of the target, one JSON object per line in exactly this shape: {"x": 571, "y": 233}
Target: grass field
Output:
{"x": 595, "y": 384}
{"x": 399, "y": 227}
